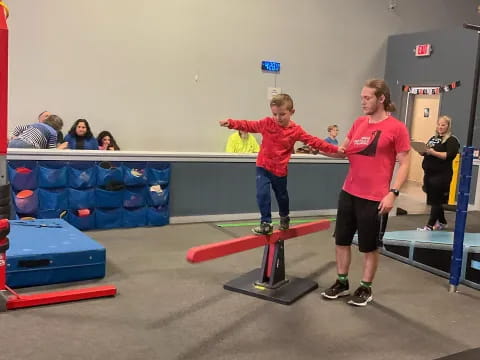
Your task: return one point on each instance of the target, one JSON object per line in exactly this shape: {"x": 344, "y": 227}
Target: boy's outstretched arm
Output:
{"x": 251, "y": 126}
{"x": 341, "y": 150}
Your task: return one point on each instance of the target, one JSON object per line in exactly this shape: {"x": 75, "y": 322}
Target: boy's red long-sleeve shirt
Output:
{"x": 278, "y": 142}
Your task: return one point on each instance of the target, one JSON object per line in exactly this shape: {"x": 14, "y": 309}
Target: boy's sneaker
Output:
{"x": 337, "y": 290}
{"x": 284, "y": 223}
{"x": 425, "y": 228}
{"x": 440, "y": 226}
{"x": 362, "y": 296}
{"x": 263, "y": 229}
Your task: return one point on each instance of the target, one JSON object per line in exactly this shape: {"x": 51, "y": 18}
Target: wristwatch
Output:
{"x": 395, "y": 192}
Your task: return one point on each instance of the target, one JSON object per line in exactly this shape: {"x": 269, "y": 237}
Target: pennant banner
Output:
{"x": 430, "y": 90}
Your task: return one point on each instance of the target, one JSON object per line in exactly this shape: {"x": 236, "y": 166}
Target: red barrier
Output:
{"x": 212, "y": 251}
{"x": 55, "y": 297}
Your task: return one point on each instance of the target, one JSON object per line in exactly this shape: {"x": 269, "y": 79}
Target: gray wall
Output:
{"x": 453, "y": 58}
{"x": 130, "y": 66}
{"x": 229, "y": 188}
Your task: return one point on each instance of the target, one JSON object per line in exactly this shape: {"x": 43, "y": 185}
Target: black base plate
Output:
{"x": 294, "y": 289}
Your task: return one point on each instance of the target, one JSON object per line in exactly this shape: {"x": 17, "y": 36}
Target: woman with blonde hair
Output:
{"x": 442, "y": 148}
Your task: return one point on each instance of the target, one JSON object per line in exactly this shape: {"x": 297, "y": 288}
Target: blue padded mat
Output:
{"x": 48, "y": 251}
{"x": 432, "y": 251}
{"x": 433, "y": 237}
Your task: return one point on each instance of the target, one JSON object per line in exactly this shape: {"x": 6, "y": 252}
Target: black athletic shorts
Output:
{"x": 355, "y": 214}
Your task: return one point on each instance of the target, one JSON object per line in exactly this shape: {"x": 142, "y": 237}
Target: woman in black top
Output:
{"x": 437, "y": 165}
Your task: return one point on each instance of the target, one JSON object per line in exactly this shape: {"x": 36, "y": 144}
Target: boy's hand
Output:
{"x": 223, "y": 123}
{"x": 341, "y": 150}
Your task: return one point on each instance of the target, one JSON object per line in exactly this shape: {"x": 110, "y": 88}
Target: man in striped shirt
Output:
{"x": 41, "y": 135}
{"x": 43, "y": 115}
{"x": 41, "y": 118}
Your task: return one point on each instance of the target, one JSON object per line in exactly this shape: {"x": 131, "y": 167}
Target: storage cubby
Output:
{"x": 92, "y": 194}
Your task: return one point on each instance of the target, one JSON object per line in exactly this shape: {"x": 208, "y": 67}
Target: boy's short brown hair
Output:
{"x": 331, "y": 127}
{"x": 282, "y": 99}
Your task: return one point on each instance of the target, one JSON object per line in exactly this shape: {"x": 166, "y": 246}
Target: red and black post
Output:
{"x": 4, "y": 245}
{"x": 269, "y": 282}
{"x": 273, "y": 266}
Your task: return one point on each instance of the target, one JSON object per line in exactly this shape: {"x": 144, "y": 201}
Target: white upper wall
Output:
{"x": 130, "y": 66}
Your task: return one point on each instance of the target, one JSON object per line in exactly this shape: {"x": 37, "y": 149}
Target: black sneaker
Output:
{"x": 263, "y": 229}
{"x": 362, "y": 296}
{"x": 337, "y": 290}
{"x": 284, "y": 223}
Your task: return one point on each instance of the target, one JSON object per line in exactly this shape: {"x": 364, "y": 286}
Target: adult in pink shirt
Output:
{"x": 373, "y": 145}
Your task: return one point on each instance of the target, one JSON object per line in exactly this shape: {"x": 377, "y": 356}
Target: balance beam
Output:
{"x": 223, "y": 248}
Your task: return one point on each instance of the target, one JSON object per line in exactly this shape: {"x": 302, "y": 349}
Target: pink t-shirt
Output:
{"x": 372, "y": 153}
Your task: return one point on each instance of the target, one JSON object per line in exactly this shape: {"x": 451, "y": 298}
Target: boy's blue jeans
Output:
{"x": 264, "y": 180}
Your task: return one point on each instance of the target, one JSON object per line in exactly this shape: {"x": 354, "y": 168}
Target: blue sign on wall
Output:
{"x": 271, "y": 66}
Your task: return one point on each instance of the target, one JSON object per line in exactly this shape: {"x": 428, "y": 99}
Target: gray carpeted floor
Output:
{"x": 169, "y": 309}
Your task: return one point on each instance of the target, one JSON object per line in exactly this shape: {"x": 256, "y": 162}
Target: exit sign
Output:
{"x": 423, "y": 50}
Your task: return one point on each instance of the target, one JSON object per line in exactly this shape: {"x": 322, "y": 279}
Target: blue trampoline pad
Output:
{"x": 47, "y": 251}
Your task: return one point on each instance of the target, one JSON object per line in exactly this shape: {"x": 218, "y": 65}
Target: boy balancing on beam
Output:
{"x": 279, "y": 134}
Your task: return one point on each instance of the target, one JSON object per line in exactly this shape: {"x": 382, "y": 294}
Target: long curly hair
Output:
{"x": 104, "y": 133}
{"x": 73, "y": 129}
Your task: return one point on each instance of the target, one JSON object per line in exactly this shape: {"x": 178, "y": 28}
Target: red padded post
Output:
{"x": 3, "y": 82}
